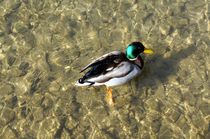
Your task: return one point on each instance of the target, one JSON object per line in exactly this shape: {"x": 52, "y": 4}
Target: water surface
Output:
{"x": 44, "y": 44}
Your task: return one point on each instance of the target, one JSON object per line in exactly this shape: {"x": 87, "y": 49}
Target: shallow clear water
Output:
{"x": 44, "y": 44}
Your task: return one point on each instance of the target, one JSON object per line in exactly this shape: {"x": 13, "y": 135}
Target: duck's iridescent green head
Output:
{"x": 134, "y": 49}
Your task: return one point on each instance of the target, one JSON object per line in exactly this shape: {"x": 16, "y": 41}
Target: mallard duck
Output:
{"x": 115, "y": 68}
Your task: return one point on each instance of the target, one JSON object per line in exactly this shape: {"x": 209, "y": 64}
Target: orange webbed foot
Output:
{"x": 109, "y": 98}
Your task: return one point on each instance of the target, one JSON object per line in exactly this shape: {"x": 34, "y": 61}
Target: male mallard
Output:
{"x": 115, "y": 68}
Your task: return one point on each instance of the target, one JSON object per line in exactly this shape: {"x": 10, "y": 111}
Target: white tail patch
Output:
{"x": 82, "y": 84}
{"x": 88, "y": 84}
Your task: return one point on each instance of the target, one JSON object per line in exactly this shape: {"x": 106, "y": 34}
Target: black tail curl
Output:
{"x": 81, "y": 80}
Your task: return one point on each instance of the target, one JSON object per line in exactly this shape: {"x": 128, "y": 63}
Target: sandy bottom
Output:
{"x": 43, "y": 46}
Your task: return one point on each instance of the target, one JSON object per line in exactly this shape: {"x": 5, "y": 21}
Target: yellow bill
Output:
{"x": 148, "y": 51}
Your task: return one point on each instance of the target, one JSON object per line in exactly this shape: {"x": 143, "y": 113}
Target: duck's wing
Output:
{"x": 121, "y": 70}
{"x": 98, "y": 75}
{"x": 109, "y": 58}
{"x": 103, "y": 66}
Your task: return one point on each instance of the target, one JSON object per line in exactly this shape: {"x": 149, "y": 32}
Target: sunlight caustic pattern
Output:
{"x": 44, "y": 44}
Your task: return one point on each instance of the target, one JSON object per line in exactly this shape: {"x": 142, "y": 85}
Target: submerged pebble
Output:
{"x": 7, "y": 116}
{"x": 8, "y": 133}
{"x": 10, "y": 60}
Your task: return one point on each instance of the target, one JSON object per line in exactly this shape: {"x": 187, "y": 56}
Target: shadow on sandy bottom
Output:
{"x": 159, "y": 69}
